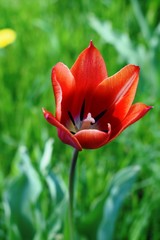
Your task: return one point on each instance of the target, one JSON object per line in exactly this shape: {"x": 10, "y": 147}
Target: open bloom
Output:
{"x": 7, "y": 36}
{"x": 91, "y": 108}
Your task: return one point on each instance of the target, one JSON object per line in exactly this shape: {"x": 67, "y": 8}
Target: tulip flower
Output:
{"x": 7, "y": 36}
{"x": 92, "y": 109}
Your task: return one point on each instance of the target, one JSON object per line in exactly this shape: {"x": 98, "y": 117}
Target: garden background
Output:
{"x": 118, "y": 185}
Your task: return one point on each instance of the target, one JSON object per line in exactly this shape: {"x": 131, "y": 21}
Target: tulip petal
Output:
{"x": 92, "y": 138}
{"x": 63, "y": 86}
{"x": 63, "y": 133}
{"x": 137, "y": 111}
{"x": 116, "y": 93}
{"x": 89, "y": 69}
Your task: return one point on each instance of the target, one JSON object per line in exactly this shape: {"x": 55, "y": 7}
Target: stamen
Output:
{"x": 106, "y": 131}
{"x": 71, "y": 117}
{"x": 100, "y": 115}
{"x": 82, "y": 111}
{"x": 72, "y": 132}
{"x": 109, "y": 128}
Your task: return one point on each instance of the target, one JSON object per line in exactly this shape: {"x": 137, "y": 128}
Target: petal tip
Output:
{"x": 150, "y": 107}
{"x": 91, "y": 44}
{"x": 138, "y": 68}
{"x": 45, "y": 113}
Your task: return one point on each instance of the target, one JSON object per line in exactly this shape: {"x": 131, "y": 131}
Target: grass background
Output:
{"x": 33, "y": 181}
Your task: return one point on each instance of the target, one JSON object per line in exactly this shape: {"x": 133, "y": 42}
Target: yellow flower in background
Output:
{"x": 7, "y": 36}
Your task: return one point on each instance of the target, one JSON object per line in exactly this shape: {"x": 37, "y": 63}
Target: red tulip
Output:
{"x": 91, "y": 108}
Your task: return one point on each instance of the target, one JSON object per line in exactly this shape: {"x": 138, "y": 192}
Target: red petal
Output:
{"x": 63, "y": 133}
{"x": 136, "y": 112}
{"x": 91, "y": 138}
{"x": 116, "y": 93}
{"x": 89, "y": 69}
{"x": 63, "y": 85}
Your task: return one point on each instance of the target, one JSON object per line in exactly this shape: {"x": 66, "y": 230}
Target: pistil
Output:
{"x": 87, "y": 122}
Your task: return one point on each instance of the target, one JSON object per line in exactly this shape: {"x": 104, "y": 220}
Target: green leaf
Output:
{"x": 47, "y": 155}
{"x": 141, "y": 220}
{"x": 56, "y": 187}
{"x": 120, "y": 187}
{"x": 14, "y": 233}
{"x": 21, "y": 193}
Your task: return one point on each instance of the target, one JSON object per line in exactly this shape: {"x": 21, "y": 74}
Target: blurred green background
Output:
{"x": 118, "y": 186}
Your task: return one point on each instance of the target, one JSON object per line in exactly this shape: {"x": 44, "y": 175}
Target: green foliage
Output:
{"x": 103, "y": 213}
{"x": 35, "y": 199}
{"x": 119, "y": 189}
{"x": 33, "y": 179}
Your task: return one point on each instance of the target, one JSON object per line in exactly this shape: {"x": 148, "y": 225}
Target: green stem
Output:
{"x": 71, "y": 193}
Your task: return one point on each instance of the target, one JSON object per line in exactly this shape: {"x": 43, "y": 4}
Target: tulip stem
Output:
{"x": 71, "y": 192}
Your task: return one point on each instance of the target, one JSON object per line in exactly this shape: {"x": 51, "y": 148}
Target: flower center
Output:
{"x": 81, "y": 123}
{"x": 86, "y": 124}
